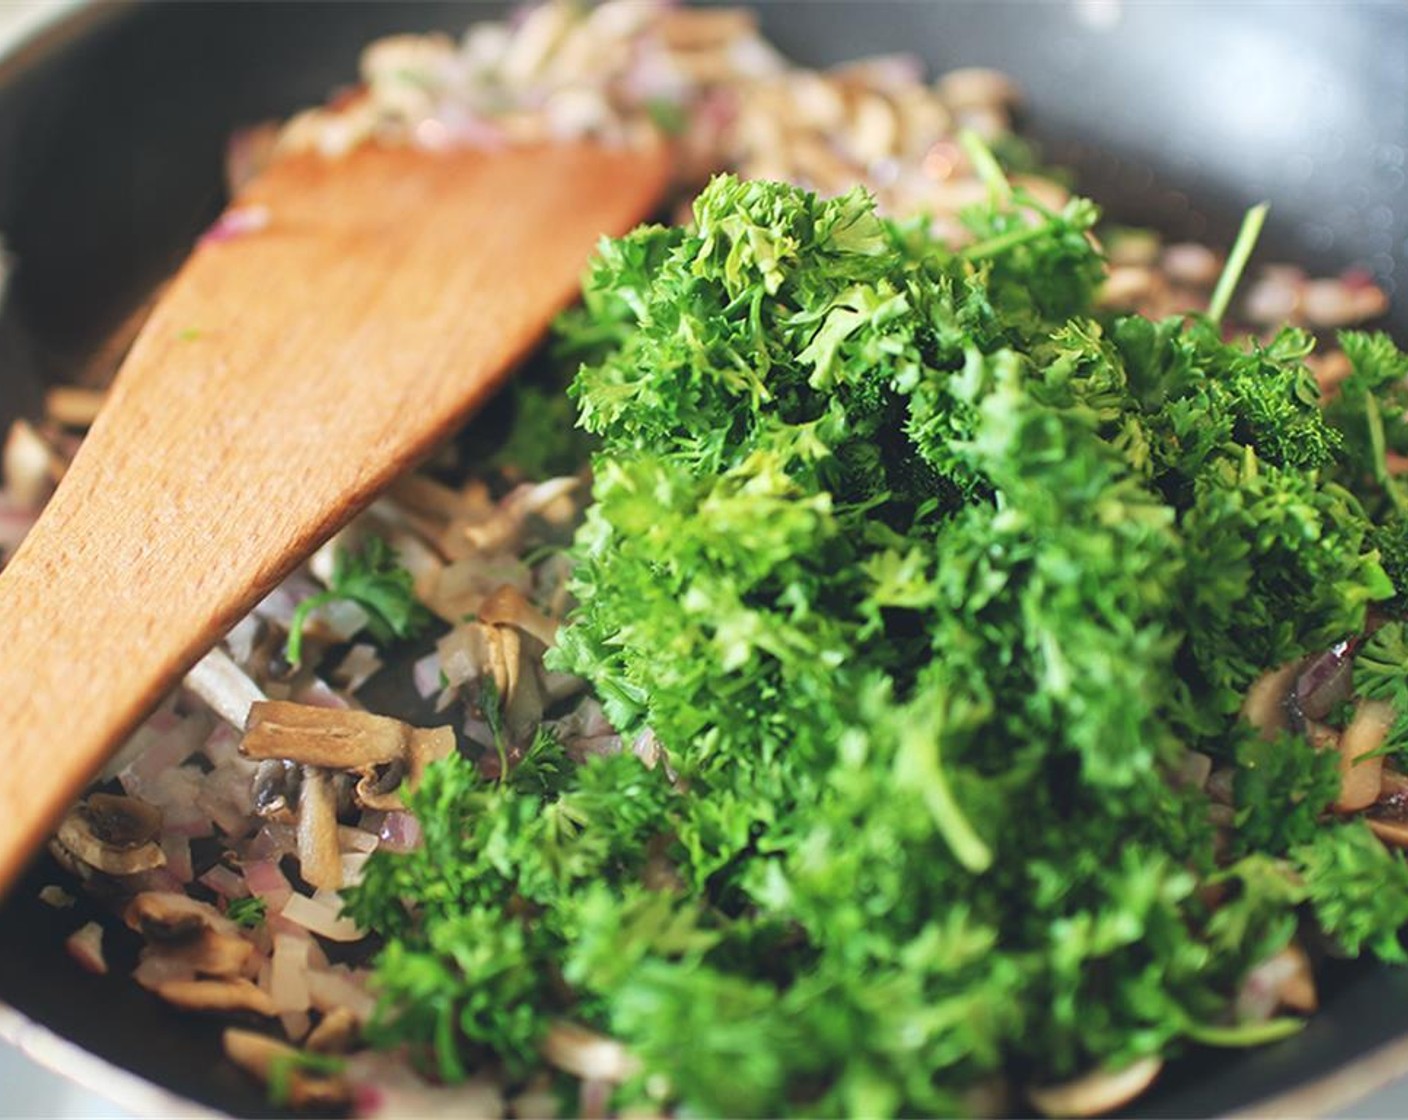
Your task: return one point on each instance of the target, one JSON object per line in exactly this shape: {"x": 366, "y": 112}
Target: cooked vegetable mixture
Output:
{"x": 961, "y": 693}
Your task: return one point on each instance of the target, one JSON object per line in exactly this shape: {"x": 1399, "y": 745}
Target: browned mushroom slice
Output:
{"x": 332, "y": 738}
{"x": 170, "y": 916}
{"x": 275, "y": 788}
{"x": 380, "y": 787}
{"x": 586, "y": 1054}
{"x": 1361, "y": 770}
{"x": 117, "y": 835}
{"x": 427, "y": 745}
{"x": 232, "y": 994}
{"x": 266, "y": 1059}
{"x": 1298, "y": 985}
{"x": 508, "y": 606}
{"x": 319, "y": 856}
{"x": 336, "y": 1034}
{"x": 1265, "y": 706}
{"x": 1096, "y": 1092}
{"x": 208, "y": 953}
{"x": 1392, "y": 833}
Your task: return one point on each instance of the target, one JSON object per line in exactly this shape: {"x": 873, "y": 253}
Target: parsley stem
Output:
{"x": 993, "y": 246}
{"x": 920, "y": 766}
{"x": 1378, "y": 444}
{"x": 1237, "y": 261}
{"x": 1245, "y": 1034}
{"x": 986, "y": 165}
{"x": 293, "y": 651}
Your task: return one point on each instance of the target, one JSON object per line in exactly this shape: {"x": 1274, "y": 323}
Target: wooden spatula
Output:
{"x": 287, "y": 375}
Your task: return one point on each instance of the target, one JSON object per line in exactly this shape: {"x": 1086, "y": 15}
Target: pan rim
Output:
{"x": 63, "y": 22}
{"x": 87, "y": 1070}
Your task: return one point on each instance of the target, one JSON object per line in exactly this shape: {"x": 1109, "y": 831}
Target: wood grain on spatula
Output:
{"x": 284, "y": 379}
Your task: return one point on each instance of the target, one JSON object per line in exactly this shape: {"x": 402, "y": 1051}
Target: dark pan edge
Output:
{"x": 53, "y": 32}
{"x": 84, "y": 1068}
{"x": 1335, "y": 1091}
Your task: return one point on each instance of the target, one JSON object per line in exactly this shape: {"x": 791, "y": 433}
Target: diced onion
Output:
{"x": 320, "y": 915}
{"x": 288, "y": 974}
{"x": 85, "y": 945}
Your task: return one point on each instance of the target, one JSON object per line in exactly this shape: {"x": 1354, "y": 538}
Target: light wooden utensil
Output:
{"x": 288, "y": 375}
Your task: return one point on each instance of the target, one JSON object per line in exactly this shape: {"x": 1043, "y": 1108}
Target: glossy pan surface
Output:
{"x": 112, "y": 126}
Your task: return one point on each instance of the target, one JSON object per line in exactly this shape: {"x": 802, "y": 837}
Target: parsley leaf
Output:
{"x": 248, "y": 912}
{"x": 376, "y": 582}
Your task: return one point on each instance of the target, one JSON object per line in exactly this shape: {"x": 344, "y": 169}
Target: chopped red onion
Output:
{"x": 319, "y": 694}
{"x": 266, "y": 881}
{"x": 400, "y": 832}
{"x": 177, "y": 850}
{"x": 273, "y": 840}
{"x": 426, "y": 675}
{"x": 1326, "y": 681}
{"x": 236, "y": 222}
{"x": 224, "y": 882}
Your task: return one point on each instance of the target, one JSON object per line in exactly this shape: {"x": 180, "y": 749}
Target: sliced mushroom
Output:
{"x": 275, "y": 789}
{"x": 1265, "y": 706}
{"x": 116, "y": 835}
{"x": 332, "y": 738}
{"x": 172, "y": 917}
{"x": 507, "y": 606}
{"x": 208, "y": 953}
{"x": 1283, "y": 980}
{"x": 233, "y": 994}
{"x": 586, "y": 1054}
{"x": 380, "y": 787}
{"x": 1392, "y": 833}
{"x": 319, "y": 855}
{"x": 338, "y": 1033}
{"x": 1361, "y": 771}
{"x": 261, "y": 1057}
{"x": 74, "y": 406}
{"x": 377, "y": 787}
{"x": 1298, "y": 986}
{"x": 1096, "y": 1092}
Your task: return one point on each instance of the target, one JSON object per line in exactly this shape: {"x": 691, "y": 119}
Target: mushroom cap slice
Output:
{"x": 424, "y": 746}
{"x": 319, "y": 855}
{"x": 587, "y": 1054}
{"x": 116, "y": 835}
{"x": 259, "y": 1056}
{"x": 208, "y": 953}
{"x": 336, "y": 1034}
{"x": 1099, "y": 1091}
{"x": 332, "y": 738}
{"x": 233, "y": 994}
{"x": 174, "y": 917}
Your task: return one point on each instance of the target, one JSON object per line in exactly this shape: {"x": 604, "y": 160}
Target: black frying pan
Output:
{"x": 1179, "y": 114}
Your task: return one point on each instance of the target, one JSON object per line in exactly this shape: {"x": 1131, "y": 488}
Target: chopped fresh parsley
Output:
{"x": 924, "y": 575}
{"x": 376, "y": 582}
{"x": 248, "y": 912}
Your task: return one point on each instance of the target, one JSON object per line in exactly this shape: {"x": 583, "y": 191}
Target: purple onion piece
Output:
{"x": 1327, "y": 680}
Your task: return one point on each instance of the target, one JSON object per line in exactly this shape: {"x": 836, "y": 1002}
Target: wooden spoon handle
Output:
{"x": 287, "y": 376}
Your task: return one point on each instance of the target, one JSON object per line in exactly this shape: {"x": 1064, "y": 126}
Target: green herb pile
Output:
{"x": 926, "y": 578}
